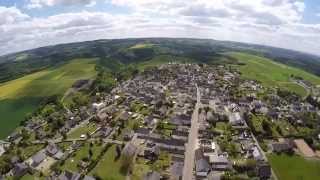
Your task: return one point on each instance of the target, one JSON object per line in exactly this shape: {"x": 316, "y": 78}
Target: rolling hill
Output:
{"x": 28, "y": 77}
{"x": 22, "y": 96}
{"x": 273, "y": 74}
{"x": 129, "y": 51}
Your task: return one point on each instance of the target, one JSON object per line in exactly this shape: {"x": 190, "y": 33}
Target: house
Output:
{"x": 149, "y": 121}
{"x": 152, "y": 153}
{"x": 15, "y": 136}
{"x": 179, "y": 120}
{"x": 19, "y": 169}
{"x": 202, "y": 165}
{"x": 235, "y": 119}
{"x": 2, "y": 149}
{"x": 89, "y": 178}
{"x": 263, "y": 170}
{"x": 36, "y": 159}
{"x": 102, "y": 116}
{"x": 128, "y": 135}
{"x": 54, "y": 151}
{"x": 153, "y": 175}
{"x": 15, "y": 159}
{"x": 40, "y": 134}
{"x": 142, "y": 131}
{"x": 104, "y": 132}
{"x": 183, "y": 135}
{"x": 130, "y": 149}
{"x": 219, "y": 163}
{"x": 256, "y": 153}
{"x": 67, "y": 175}
{"x": 76, "y": 145}
{"x": 124, "y": 116}
{"x": 176, "y": 170}
{"x": 98, "y": 106}
{"x": 280, "y": 147}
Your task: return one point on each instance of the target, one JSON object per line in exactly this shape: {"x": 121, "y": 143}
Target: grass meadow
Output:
{"x": 271, "y": 73}
{"x": 294, "y": 167}
{"x": 22, "y": 96}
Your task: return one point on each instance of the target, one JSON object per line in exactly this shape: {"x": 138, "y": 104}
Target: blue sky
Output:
{"x": 292, "y": 24}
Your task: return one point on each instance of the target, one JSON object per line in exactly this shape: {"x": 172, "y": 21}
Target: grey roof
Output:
{"x": 263, "y": 170}
{"x": 58, "y": 155}
{"x": 67, "y": 175}
{"x": 38, "y": 158}
{"x": 19, "y": 169}
{"x": 89, "y": 178}
{"x": 130, "y": 149}
{"x": 152, "y": 176}
{"x": 218, "y": 159}
{"x": 143, "y": 131}
{"x": 278, "y": 147}
{"x": 176, "y": 169}
{"x": 52, "y": 149}
{"x": 202, "y": 165}
{"x": 125, "y": 115}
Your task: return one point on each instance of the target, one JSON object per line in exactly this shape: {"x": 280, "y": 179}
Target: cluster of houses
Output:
{"x": 161, "y": 102}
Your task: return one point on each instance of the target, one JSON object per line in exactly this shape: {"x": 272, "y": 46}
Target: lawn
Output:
{"x": 108, "y": 168}
{"x": 84, "y": 129}
{"x": 22, "y": 96}
{"x": 31, "y": 150}
{"x": 222, "y": 126}
{"x": 140, "y": 169}
{"x": 271, "y": 73}
{"x": 294, "y": 167}
{"x": 13, "y": 111}
{"x": 72, "y": 162}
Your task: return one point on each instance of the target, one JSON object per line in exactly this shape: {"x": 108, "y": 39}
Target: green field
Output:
{"x": 294, "y": 167}
{"x": 271, "y": 73}
{"x": 87, "y": 128}
{"x": 71, "y": 164}
{"x": 108, "y": 168}
{"x": 22, "y": 96}
{"x": 163, "y": 59}
{"x": 141, "y": 46}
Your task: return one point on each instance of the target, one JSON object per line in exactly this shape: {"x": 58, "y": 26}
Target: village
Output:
{"x": 175, "y": 121}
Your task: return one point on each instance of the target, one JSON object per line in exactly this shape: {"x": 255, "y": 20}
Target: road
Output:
{"x": 192, "y": 141}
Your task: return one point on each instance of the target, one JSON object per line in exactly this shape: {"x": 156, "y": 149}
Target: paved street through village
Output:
{"x": 192, "y": 140}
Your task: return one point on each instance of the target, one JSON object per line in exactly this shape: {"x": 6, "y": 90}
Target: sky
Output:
{"x": 291, "y": 24}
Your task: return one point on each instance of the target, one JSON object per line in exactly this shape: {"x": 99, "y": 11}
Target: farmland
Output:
{"x": 22, "y": 96}
{"x": 109, "y": 168}
{"x": 271, "y": 73}
{"x": 294, "y": 167}
{"x": 162, "y": 59}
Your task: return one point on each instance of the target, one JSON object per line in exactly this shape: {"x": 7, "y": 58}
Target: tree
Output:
{"x": 136, "y": 125}
{"x": 126, "y": 163}
{"x": 90, "y": 153}
{"x": 118, "y": 152}
{"x": 64, "y": 136}
{"x": 266, "y": 127}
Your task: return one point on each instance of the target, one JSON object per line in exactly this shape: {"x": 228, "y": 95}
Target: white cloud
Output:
{"x": 9, "y": 15}
{"x": 268, "y": 22}
{"x": 42, "y": 3}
